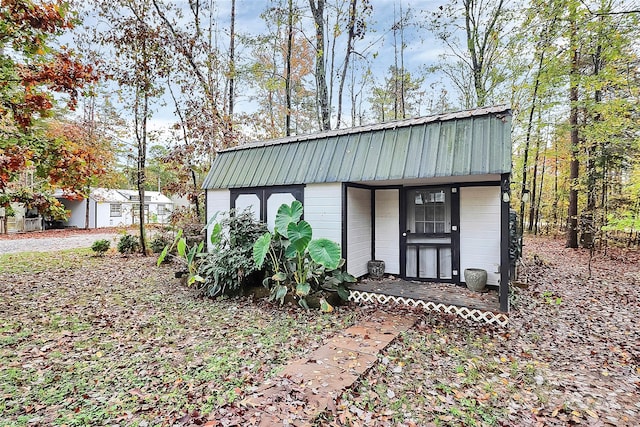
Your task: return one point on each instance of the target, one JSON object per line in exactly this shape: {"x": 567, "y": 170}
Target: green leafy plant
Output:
{"x": 158, "y": 243}
{"x": 299, "y": 264}
{"x": 335, "y": 279}
{"x": 100, "y": 246}
{"x": 229, "y": 267}
{"x": 188, "y": 254}
{"x": 128, "y": 244}
{"x": 551, "y": 299}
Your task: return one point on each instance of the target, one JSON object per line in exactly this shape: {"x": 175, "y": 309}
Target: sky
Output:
{"x": 421, "y": 49}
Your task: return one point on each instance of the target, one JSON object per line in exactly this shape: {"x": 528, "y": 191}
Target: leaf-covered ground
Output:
{"x": 571, "y": 354}
{"x": 118, "y": 341}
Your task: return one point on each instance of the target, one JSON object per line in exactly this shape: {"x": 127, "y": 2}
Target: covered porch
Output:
{"x": 446, "y": 298}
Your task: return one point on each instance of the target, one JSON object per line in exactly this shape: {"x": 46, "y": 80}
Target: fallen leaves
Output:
{"x": 107, "y": 341}
{"x": 118, "y": 340}
{"x": 570, "y": 354}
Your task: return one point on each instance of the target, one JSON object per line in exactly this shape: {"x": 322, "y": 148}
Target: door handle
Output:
{"x": 405, "y": 233}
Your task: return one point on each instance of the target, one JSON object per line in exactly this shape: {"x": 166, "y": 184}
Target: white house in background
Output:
{"x": 112, "y": 208}
{"x": 429, "y": 195}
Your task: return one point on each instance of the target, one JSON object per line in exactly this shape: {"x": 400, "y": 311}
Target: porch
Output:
{"x": 444, "y": 298}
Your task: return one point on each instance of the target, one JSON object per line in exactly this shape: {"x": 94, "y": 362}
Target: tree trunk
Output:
{"x": 317, "y": 9}
{"x": 534, "y": 178}
{"x": 556, "y": 195}
{"x": 141, "y": 117}
{"x": 86, "y": 212}
{"x": 232, "y": 62}
{"x": 142, "y": 150}
{"x": 478, "y": 44}
{"x": 572, "y": 212}
{"x": 537, "y": 213}
{"x": 594, "y": 151}
{"x": 403, "y": 114}
{"x": 195, "y": 192}
{"x": 532, "y": 199}
{"x": 525, "y": 161}
{"x": 287, "y": 72}
{"x": 395, "y": 66}
{"x": 351, "y": 34}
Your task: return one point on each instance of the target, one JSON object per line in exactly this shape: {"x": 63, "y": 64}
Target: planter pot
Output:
{"x": 375, "y": 268}
{"x": 476, "y": 279}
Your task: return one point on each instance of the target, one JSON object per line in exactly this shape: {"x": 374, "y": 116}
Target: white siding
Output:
{"x": 480, "y": 231}
{"x": 323, "y": 210}
{"x": 388, "y": 229}
{"x": 217, "y": 201}
{"x": 358, "y": 230}
{"x": 102, "y": 214}
{"x": 77, "y": 209}
{"x": 273, "y": 204}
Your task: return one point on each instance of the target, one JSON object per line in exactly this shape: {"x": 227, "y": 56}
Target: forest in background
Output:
{"x": 568, "y": 68}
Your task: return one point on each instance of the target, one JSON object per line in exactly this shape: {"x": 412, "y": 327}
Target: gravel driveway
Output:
{"x": 22, "y": 243}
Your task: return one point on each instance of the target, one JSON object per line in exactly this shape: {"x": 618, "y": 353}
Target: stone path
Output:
{"x": 306, "y": 388}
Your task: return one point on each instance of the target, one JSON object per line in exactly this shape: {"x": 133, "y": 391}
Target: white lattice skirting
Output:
{"x": 500, "y": 319}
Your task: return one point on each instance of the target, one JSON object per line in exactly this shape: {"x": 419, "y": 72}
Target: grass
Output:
{"x": 90, "y": 340}
{"x": 38, "y": 262}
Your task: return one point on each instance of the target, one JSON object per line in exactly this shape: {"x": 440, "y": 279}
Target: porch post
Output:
{"x": 504, "y": 244}
{"x": 343, "y": 224}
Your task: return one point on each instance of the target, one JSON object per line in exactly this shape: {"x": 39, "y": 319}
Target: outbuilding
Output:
{"x": 429, "y": 196}
{"x": 115, "y": 208}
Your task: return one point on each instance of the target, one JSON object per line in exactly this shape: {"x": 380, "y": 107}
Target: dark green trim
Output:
{"x": 263, "y": 194}
{"x": 504, "y": 245}
{"x": 343, "y": 222}
{"x": 454, "y": 235}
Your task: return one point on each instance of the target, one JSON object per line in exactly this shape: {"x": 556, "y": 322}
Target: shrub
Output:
{"x": 128, "y": 244}
{"x": 100, "y": 246}
{"x": 229, "y": 268}
{"x": 158, "y": 243}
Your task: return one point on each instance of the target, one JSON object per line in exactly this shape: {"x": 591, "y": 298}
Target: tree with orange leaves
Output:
{"x": 33, "y": 74}
{"x": 31, "y": 70}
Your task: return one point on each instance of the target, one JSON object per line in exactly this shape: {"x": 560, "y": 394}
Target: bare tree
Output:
{"x": 476, "y": 57}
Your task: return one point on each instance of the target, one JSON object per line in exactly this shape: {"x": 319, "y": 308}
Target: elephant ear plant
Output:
{"x": 297, "y": 263}
{"x": 188, "y": 255}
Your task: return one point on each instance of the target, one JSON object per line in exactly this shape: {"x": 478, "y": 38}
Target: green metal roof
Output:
{"x": 471, "y": 142}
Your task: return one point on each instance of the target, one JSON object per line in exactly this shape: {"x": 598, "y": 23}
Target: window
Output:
{"x": 136, "y": 213}
{"x": 264, "y": 202}
{"x": 162, "y": 210}
{"x": 115, "y": 209}
{"x": 136, "y": 209}
{"x": 431, "y": 210}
